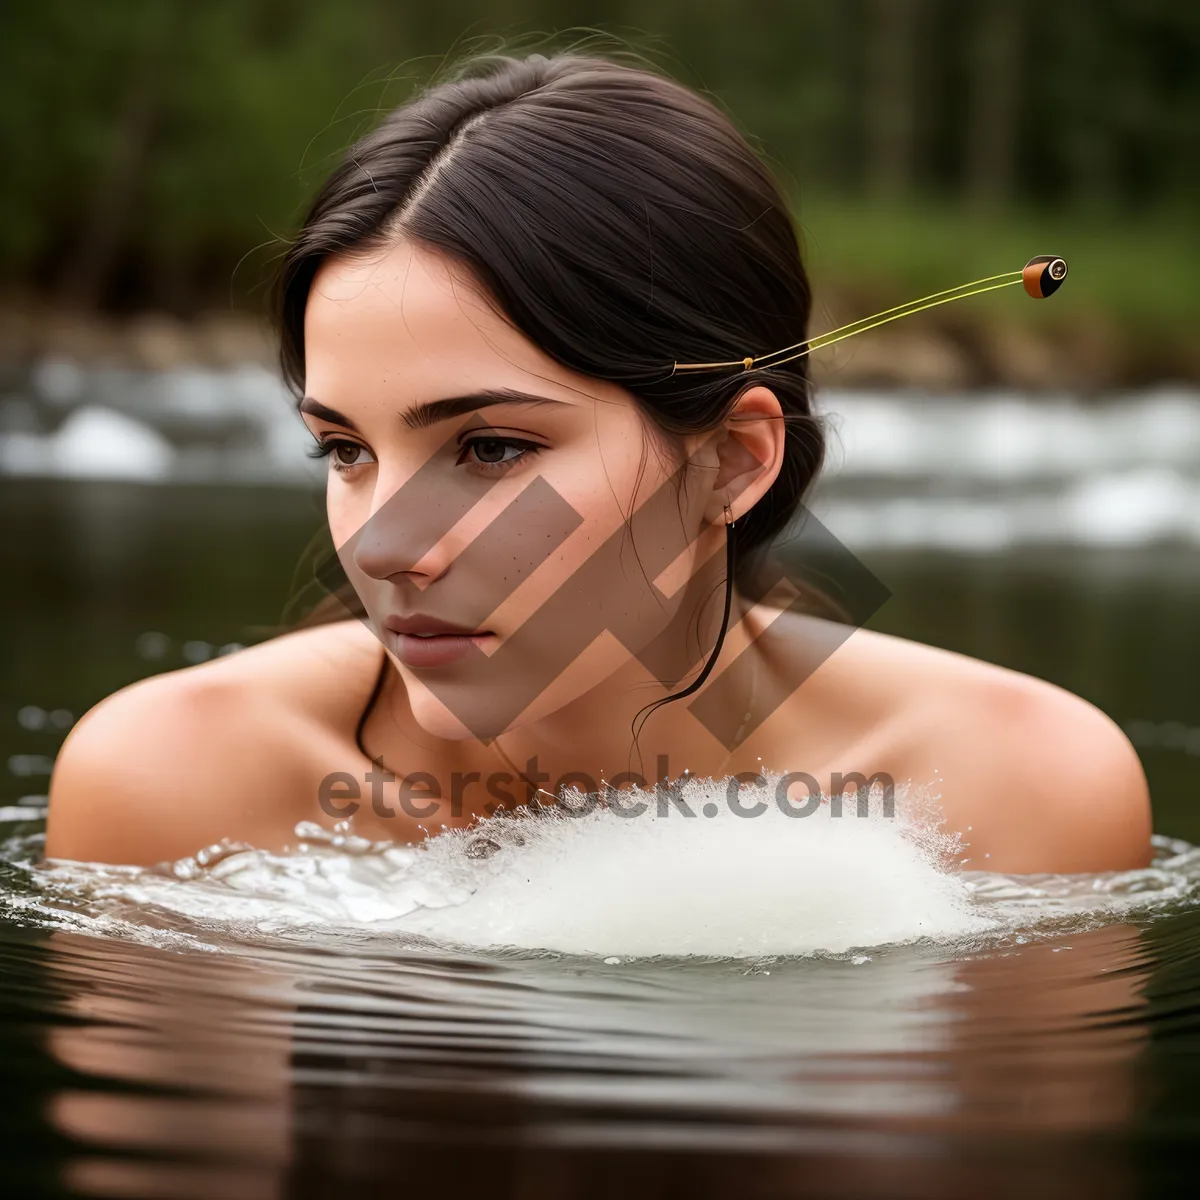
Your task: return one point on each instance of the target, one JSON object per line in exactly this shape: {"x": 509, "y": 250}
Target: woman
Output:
{"x": 551, "y": 534}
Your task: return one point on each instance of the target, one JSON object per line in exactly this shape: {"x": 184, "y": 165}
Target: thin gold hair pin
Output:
{"x": 1041, "y": 276}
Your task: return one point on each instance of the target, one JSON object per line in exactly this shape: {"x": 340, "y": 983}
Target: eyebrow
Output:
{"x": 421, "y": 416}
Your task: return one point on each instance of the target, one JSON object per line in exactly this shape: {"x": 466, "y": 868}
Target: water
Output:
{"x": 149, "y": 1053}
{"x": 906, "y": 470}
{"x": 347, "y": 1019}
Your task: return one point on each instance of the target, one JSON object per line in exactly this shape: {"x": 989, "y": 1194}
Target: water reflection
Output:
{"x": 183, "y": 1057}
{"x": 278, "y": 1068}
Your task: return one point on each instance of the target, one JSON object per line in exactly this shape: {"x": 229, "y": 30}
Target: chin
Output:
{"x": 437, "y": 720}
{"x": 483, "y": 699}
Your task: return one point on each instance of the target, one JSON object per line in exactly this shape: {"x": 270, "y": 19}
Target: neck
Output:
{"x": 593, "y": 736}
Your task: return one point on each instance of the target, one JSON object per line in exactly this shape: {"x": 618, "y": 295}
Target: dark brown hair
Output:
{"x": 616, "y": 217}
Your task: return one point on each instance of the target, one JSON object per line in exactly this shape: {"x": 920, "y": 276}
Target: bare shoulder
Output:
{"x": 1035, "y": 777}
{"x": 226, "y": 748}
{"x": 1042, "y": 779}
{"x": 1049, "y": 781}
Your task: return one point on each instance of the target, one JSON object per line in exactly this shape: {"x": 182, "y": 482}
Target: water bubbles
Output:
{"x": 211, "y": 855}
{"x": 203, "y": 861}
{"x": 31, "y": 717}
{"x": 481, "y": 848}
{"x": 1172, "y": 734}
{"x": 351, "y": 844}
{"x": 341, "y": 837}
{"x": 1165, "y": 735}
{"x": 30, "y": 764}
{"x": 152, "y": 645}
{"x": 38, "y": 720}
{"x": 58, "y": 380}
{"x": 310, "y": 831}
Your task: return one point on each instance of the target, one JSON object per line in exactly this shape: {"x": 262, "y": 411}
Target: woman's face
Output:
{"x": 478, "y": 486}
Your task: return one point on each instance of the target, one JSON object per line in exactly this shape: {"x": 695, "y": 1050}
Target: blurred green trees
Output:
{"x": 155, "y": 151}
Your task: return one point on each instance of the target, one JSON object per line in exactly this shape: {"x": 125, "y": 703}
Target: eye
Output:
{"x": 497, "y": 453}
{"x": 349, "y": 454}
{"x": 343, "y": 454}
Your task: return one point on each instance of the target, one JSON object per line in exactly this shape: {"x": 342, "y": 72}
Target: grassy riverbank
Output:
{"x": 1127, "y": 315}
{"x": 1140, "y": 273}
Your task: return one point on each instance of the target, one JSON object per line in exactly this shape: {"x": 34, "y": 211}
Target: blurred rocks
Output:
{"x": 1027, "y": 359}
{"x": 937, "y": 352}
{"x": 892, "y": 358}
{"x": 146, "y": 399}
{"x": 30, "y": 331}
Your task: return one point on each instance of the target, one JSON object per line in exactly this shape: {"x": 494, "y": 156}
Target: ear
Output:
{"x": 749, "y": 453}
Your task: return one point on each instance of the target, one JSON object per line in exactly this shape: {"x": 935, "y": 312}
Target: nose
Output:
{"x": 407, "y": 534}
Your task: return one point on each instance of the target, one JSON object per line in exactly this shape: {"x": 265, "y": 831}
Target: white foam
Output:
{"x": 660, "y": 883}
{"x": 719, "y": 885}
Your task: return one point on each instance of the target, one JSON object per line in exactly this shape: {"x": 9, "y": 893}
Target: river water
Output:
{"x": 583, "y": 1012}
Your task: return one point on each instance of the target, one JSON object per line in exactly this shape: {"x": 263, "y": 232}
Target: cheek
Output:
{"x": 609, "y": 473}
{"x": 621, "y": 486}
{"x": 602, "y": 496}
{"x": 635, "y": 565}
{"x": 346, "y": 509}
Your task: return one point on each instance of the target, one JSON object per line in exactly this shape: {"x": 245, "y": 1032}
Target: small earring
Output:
{"x": 728, "y": 515}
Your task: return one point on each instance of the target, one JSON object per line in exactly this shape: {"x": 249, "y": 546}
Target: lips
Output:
{"x": 418, "y": 625}
{"x": 420, "y": 641}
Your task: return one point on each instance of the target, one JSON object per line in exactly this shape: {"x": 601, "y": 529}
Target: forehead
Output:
{"x": 409, "y": 318}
